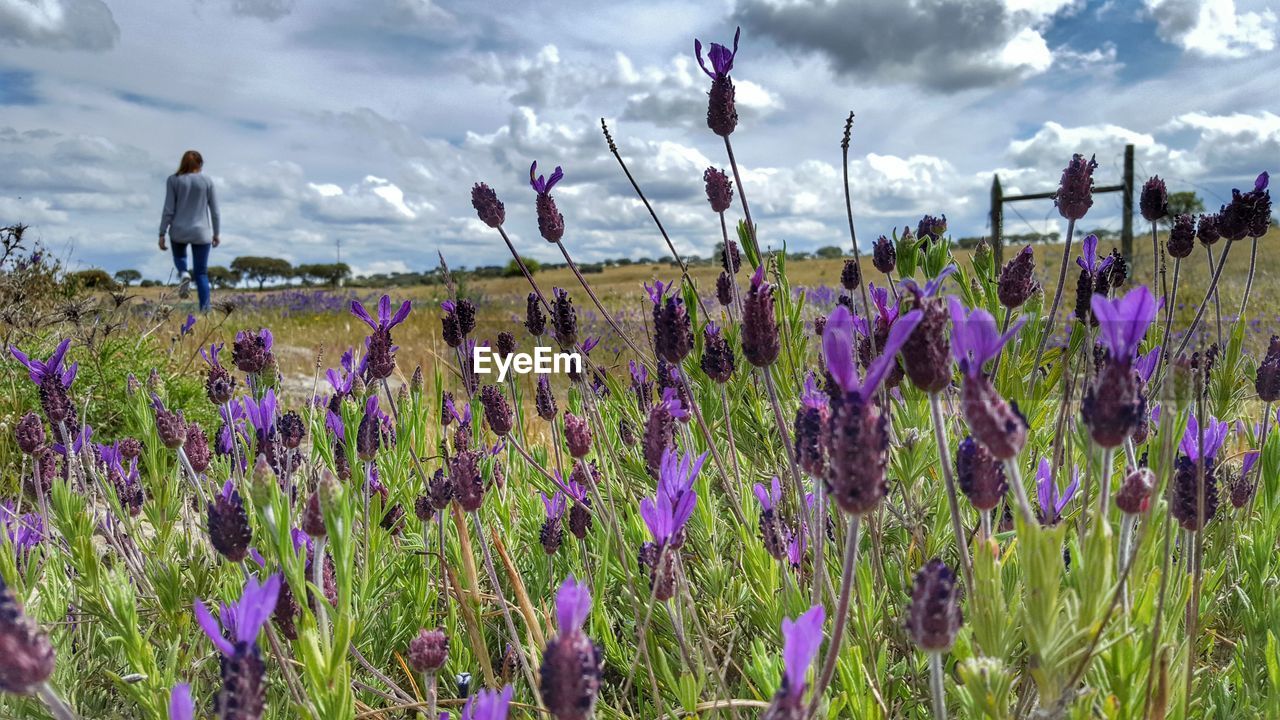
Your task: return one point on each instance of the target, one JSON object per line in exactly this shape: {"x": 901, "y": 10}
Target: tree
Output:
{"x": 829, "y": 252}
{"x": 126, "y": 277}
{"x": 261, "y": 269}
{"x": 223, "y": 278}
{"x": 328, "y": 273}
{"x": 1184, "y": 203}
{"x": 513, "y": 269}
{"x": 94, "y": 279}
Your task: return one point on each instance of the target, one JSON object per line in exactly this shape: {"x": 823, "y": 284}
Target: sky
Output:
{"x": 366, "y": 123}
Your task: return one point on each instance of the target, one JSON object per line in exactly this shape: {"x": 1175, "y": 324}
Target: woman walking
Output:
{"x": 190, "y": 218}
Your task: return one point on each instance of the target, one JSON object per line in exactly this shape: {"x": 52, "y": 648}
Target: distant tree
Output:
{"x": 328, "y": 273}
{"x": 148, "y": 283}
{"x": 127, "y": 277}
{"x": 798, "y": 255}
{"x": 829, "y": 252}
{"x": 262, "y": 269}
{"x": 1185, "y": 202}
{"x": 94, "y": 279}
{"x": 223, "y": 278}
{"x": 513, "y": 268}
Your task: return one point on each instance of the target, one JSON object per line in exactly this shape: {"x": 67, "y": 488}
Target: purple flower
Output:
{"x": 1075, "y": 191}
{"x": 262, "y": 413}
{"x": 770, "y": 498}
{"x": 186, "y": 326}
{"x": 386, "y": 320}
{"x": 666, "y": 514}
{"x": 38, "y": 370}
{"x": 722, "y": 113}
{"x": 240, "y": 621}
{"x": 1145, "y": 365}
{"x": 1125, "y": 321}
{"x": 181, "y": 706}
{"x": 251, "y": 352}
{"x": 974, "y": 337}
{"x": 721, "y": 57}
{"x": 719, "y": 190}
{"x": 25, "y": 532}
{"x": 1215, "y": 433}
{"x": 801, "y": 639}
{"x": 488, "y": 705}
{"x": 837, "y": 348}
{"x": 1051, "y": 502}
{"x": 1089, "y": 257}
{"x": 1250, "y": 459}
{"x": 550, "y": 221}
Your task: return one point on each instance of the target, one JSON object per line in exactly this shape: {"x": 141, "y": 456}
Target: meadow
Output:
{"x": 919, "y": 487}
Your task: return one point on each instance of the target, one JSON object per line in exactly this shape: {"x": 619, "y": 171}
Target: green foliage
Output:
{"x": 93, "y": 279}
{"x": 261, "y": 269}
{"x": 127, "y": 277}
{"x": 330, "y": 274}
{"x": 223, "y": 278}
{"x": 513, "y": 268}
{"x": 829, "y": 252}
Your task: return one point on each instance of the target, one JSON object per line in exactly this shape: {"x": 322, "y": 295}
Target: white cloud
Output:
{"x": 1214, "y": 28}
{"x": 61, "y": 24}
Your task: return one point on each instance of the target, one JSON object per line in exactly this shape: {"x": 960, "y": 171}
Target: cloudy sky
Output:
{"x": 367, "y": 122}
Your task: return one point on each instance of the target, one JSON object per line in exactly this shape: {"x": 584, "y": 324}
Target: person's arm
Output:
{"x": 214, "y": 217}
{"x": 166, "y": 215}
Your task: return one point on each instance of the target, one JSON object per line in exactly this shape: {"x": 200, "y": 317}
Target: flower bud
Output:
{"x": 291, "y": 430}
{"x": 197, "y": 449}
{"x": 933, "y": 617}
{"x": 719, "y": 189}
{"x": 577, "y": 435}
{"x": 1182, "y": 237}
{"x": 535, "y": 321}
{"x": 980, "y": 475}
{"x": 1267, "y": 380}
{"x": 883, "y": 255}
{"x": 1134, "y": 494}
{"x": 1017, "y": 280}
{"x": 429, "y": 651}
{"x": 760, "y": 344}
{"x": 487, "y": 205}
{"x": 28, "y": 657}
{"x": 228, "y": 524}
{"x": 313, "y": 517}
{"x": 850, "y": 275}
{"x": 496, "y": 410}
{"x": 29, "y": 433}
{"x": 1154, "y": 200}
{"x": 1075, "y": 191}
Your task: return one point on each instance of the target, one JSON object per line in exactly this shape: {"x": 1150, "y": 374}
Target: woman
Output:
{"x": 190, "y": 218}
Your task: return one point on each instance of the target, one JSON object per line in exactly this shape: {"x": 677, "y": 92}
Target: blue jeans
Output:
{"x": 200, "y": 273}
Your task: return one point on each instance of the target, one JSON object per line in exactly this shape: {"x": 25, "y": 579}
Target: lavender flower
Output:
{"x": 933, "y": 617}
{"x": 577, "y": 435}
{"x": 488, "y": 705}
{"x": 552, "y": 533}
{"x": 545, "y": 399}
{"x": 29, "y": 433}
{"x": 980, "y": 475}
{"x": 811, "y": 418}
{"x": 428, "y": 651}
{"x": 571, "y": 663}
{"x": 170, "y": 425}
{"x": 535, "y": 321}
{"x": 666, "y": 515}
{"x": 1185, "y": 501}
{"x": 1017, "y": 280}
{"x": 1134, "y": 495}
{"x": 660, "y": 428}
{"x": 974, "y": 340}
{"x": 719, "y": 189}
{"x": 28, "y": 657}
{"x": 760, "y": 344}
{"x": 1267, "y": 380}
{"x": 468, "y": 486}
{"x": 772, "y": 531}
{"x": 219, "y": 384}
{"x": 1051, "y": 501}
{"x": 53, "y": 381}
{"x": 883, "y": 255}
{"x": 1182, "y": 236}
{"x": 1113, "y": 406}
{"x": 487, "y": 205}
{"x": 381, "y": 359}
{"x": 850, "y": 275}
{"x": 550, "y": 221}
{"x": 196, "y": 447}
{"x": 724, "y": 289}
{"x": 1154, "y": 200}
{"x": 672, "y": 328}
{"x": 801, "y": 640}
{"x": 856, "y": 438}
{"x": 925, "y": 355}
{"x": 1075, "y": 191}
{"x": 730, "y": 258}
{"x": 1207, "y": 229}
{"x": 564, "y": 320}
{"x": 722, "y": 113}
{"x": 228, "y": 524}
{"x": 243, "y": 693}
{"x": 717, "y": 354}
{"x": 931, "y": 228}
{"x": 251, "y": 352}
{"x": 580, "y": 510}
{"x": 496, "y": 410}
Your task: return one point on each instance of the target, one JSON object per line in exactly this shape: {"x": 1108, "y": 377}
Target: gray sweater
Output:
{"x": 190, "y": 208}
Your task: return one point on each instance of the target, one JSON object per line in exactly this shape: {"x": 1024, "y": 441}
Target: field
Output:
{"x": 794, "y": 516}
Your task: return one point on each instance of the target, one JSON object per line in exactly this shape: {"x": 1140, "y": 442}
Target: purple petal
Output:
{"x": 766, "y": 503}
{"x": 181, "y": 706}
{"x": 655, "y": 519}
{"x": 801, "y": 639}
{"x": 573, "y": 605}
{"x": 384, "y": 310}
{"x": 898, "y": 335}
{"x": 1089, "y": 252}
{"x": 1261, "y": 183}
{"x": 211, "y": 628}
{"x": 837, "y": 349}
{"x": 400, "y": 315}
{"x": 358, "y": 310}
{"x": 256, "y": 605}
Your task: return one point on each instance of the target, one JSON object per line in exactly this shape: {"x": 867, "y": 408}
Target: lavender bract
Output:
{"x": 550, "y": 221}
{"x": 722, "y": 112}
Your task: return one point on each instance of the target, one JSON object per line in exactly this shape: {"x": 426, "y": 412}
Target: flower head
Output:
{"x": 837, "y": 349}
{"x": 1154, "y": 200}
{"x": 1124, "y": 321}
{"x": 181, "y": 706}
{"x": 240, "y": 621}
{"x": 1051, "y": 501}
{"x": 801, "y": 640}
{"x": 975, "y": 338}
{"x": 1075, "y": 191}
{"x": 1017, "y": 280}
{"x": 488, "y": 705}
{"x": 883, "y": 255}
{"x": 720, "y": 56}
{"x": 760, "y": 344}
{"x": 1215, "y": 433}
{"x": 722, "y": 113}
{"x": 550, "y": 221}
{"x": 39, "y": 370}
{"x": 667, "y": 512}
{"x": 933, "y": 617}
{"x": 719, "y": 189}
{"x": 487, "y": 205}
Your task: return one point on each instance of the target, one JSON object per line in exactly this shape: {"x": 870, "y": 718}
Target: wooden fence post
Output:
{"x": 997, "y": 221}
{"x": 1126, "y": 226}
